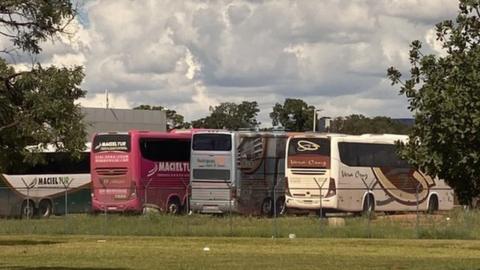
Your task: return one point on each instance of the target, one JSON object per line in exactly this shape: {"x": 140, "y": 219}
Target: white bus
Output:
{"x": 240, "y": 172}
{"x": 363, "y": 173}
{"x": 39, "y": 191}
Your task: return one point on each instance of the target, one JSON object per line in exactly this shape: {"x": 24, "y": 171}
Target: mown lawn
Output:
{"x": 121, "y": 252}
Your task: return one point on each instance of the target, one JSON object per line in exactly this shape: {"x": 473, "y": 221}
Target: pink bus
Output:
{"x": 138, "y": 169}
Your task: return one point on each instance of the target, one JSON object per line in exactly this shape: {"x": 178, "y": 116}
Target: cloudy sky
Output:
{"x": 188, "y": 55}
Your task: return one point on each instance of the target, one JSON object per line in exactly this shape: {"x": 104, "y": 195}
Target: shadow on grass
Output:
{"x": 26, "y": 242}
{"x": 59, "y": 267}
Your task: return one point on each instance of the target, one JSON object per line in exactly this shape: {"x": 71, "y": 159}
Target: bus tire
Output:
{"x": 281, "y": 207}
{"x": 44, "y": 209}
{"x": 173, "y": 206}
{"x": 432, "y": 205}
{"x": 368, "y": 206}
{"x": 267, "y": 207}
{"x": 28, "y": 209}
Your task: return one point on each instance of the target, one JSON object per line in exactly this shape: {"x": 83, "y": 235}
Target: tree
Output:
{"x": 229, "y": 115}
{"x": 358, "y": 124}
{"x": 444, "y": 94}
{"x": 37, "y": 105}
{"x": 293, "y": 115}
{"x": 174, "y": 120}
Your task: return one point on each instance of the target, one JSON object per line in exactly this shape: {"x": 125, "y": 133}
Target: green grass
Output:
{"x": 114, "y": 252}
{"x": 457, "y": 224}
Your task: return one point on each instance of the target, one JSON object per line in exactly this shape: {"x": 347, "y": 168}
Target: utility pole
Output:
{"x": 315, "y": 111}
{"x": 106, "y": 99}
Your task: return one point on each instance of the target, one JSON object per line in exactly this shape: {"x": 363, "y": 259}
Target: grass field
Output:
{"x": 90, "y": 252}
{"x": 452, "y": 225}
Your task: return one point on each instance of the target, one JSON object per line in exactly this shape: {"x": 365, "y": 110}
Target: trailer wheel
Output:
{"x": 44, "y": 209}
{"x": 28, "y": 209}
{"x": 432, "y": 205}
{"x": 267, "y": 207}
{"x": 173, "y": 206}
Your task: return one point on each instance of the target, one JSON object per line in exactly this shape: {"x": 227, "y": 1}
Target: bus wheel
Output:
{"x": 44, "y": 209}
{"x": 173, "y": 206}
{"x": 432, "y": 205}
{"x": 267, "y": 207}
{"x": 28, "y": 209}
{"x": 281, "y": 207}
{"x": 368, "y": 206}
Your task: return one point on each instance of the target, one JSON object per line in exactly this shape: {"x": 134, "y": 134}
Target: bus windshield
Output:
{"x": 309, "y": 153}
{"x": 212, "y": 142}
{"x": 309, "y": 146}
{"x": 111, "y": 142}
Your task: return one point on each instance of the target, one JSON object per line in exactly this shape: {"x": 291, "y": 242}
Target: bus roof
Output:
{"x": 367, "y": 138}
{"x": 175, "y": 133}
{"x": 375, "y": 138}
{"x": 317, "y": 135}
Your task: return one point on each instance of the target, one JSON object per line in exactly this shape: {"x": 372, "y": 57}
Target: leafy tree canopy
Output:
{"x": 444, "y": 94}
{"x": 229, "y": 115}
{"x": 37, "y": 104}
{"x": 356, "y": 124}
{"x": 293, "y": 115}
{"x": 174, "y": 120}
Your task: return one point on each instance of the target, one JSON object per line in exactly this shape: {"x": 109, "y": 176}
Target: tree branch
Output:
{"x": 14, "y": 123}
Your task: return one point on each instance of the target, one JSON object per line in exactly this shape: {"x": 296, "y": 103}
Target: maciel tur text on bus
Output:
{"x": 132, "y": 171}
{"x": 59, "y": 185}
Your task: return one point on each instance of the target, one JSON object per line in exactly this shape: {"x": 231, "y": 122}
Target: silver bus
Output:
{"x": 238, "y": 171}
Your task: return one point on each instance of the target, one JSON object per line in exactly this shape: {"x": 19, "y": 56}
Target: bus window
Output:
{"x": 165, "y": 150}
{"x": 212, "y": 142}
{"x": 208, "y": 174}
{"x": 370, "y": 155}
{"x": 55, "y": 163}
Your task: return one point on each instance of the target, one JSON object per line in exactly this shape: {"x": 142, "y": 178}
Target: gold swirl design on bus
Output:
{"x": 404, "y": 185}
{"x": 303, "y": 145}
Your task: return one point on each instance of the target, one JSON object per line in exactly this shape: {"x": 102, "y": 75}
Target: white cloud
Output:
{"x": 189, "y": 55}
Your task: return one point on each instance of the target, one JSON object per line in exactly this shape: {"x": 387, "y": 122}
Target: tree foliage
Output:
{"x": 444, "y": 94}
{"x": 356, "y": 124}
{"x": 28, "y": 22}
{"x": 37, "y": 105}
{"x": 174, "y": 120}
{"x": 229, "y": 115}
{"x": 293, "y": 115}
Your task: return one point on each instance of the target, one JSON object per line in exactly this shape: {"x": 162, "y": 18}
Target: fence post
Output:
{"x": 145, "y": 193}
{"x": 369, "y": 212}
{"x": 274, "y": 205}
{"x": 27, "y": 186}
{"x": 320, "y": 187}
{"x": 28, "y": 203}
{"x": 187, "y": 205}
{"x": 66, "y": 212}
{"x": 417, "y": 212}
{"x": 321, "y": 206}
{"x": 230, "y": 208}
{"x": 104, "y": 209}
